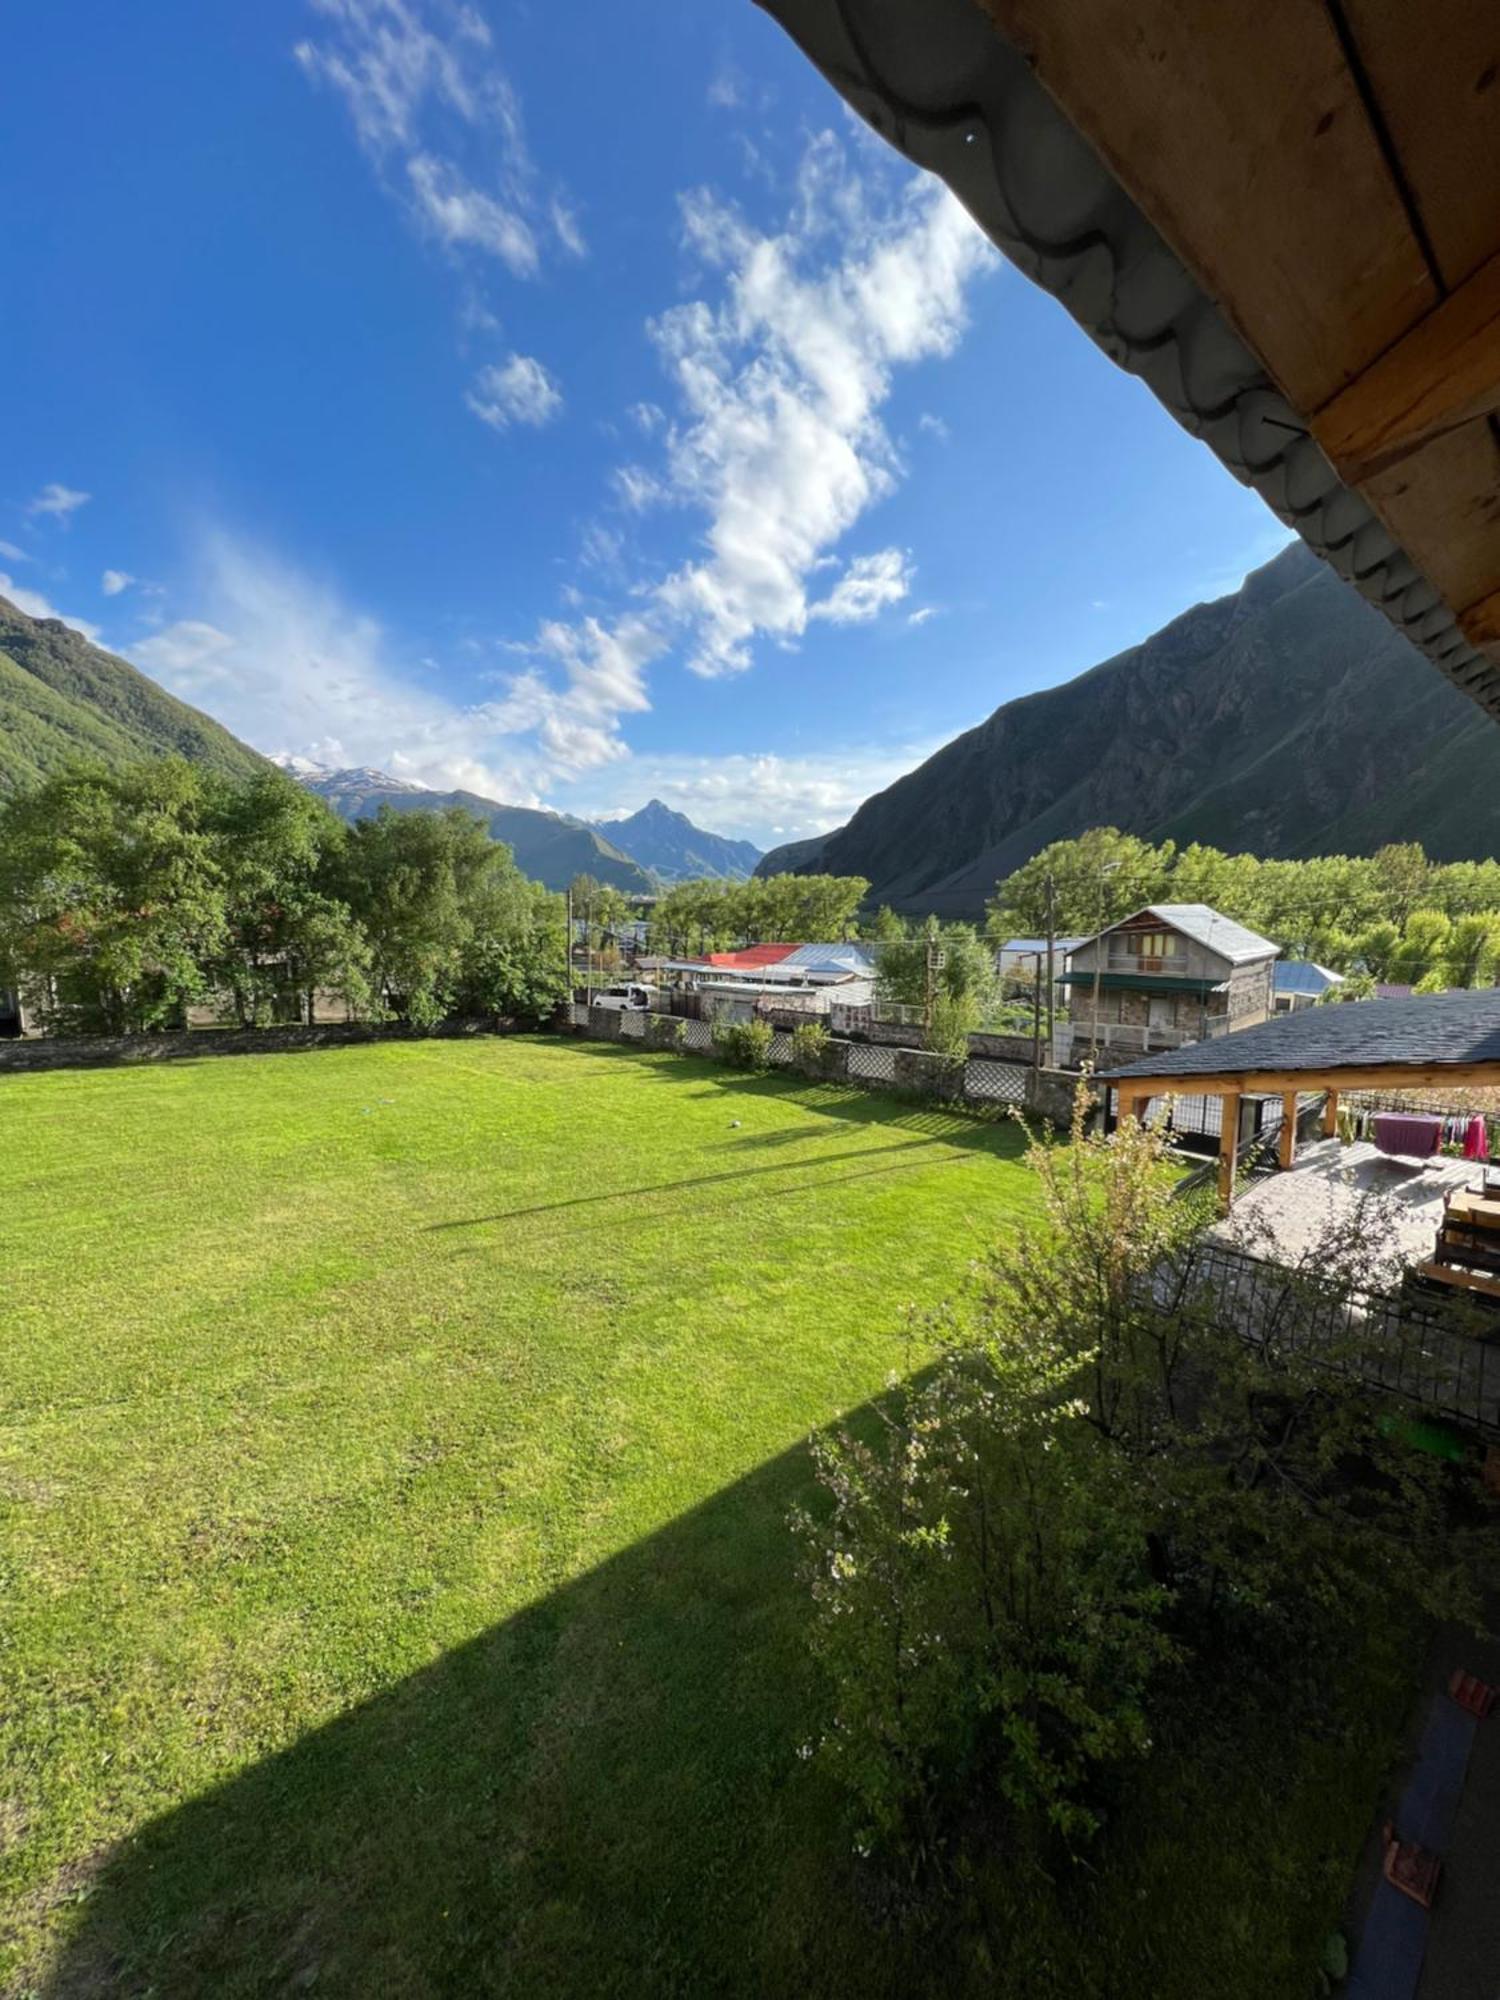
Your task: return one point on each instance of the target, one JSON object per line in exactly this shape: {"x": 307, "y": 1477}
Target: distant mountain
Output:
{"x": 1287, "y": 719}
{"x": 675, "y": 850}
{"x": 549, "y": 847}
{"x": 61, "y": 697}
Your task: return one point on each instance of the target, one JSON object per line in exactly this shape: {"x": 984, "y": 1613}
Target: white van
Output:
{"x": 627, "y": 999}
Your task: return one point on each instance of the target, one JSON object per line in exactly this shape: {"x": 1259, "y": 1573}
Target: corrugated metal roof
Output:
{"x": 857, "y": 958}
{"x": 1301, "y": 975}
{"x": 1428, "y": 1030}
{"x": 752, "y": 956}
{"x": 1027, "y": 946}
{"x": 938, "y": 80}
{"x": 1205, "y": 926}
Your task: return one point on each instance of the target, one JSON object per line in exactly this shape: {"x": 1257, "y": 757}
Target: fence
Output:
{"x": 1436, "y": 1356}
{"x": 877, "y": 1066}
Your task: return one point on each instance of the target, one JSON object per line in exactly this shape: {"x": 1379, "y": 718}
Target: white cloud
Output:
{"x": 868, "y": 585}
{"x": 12, "y": 554}
{"x": 725, "y": 88}
{"x": 648, "y": 418}
{"x": 58, "y": 500}
{"x": 284, "y": 662}
{"x": 35, "y": 605}
{"x": 114, "y": 581}
{"x": 922, "y": 614}
{"x": 637, "y": 488}
{"x": 933, "y": 426}
{"x": 782, "y": 381}
{"x": 189, "y": 655}
{"x": 516, "y": 391}
{"x": 459, "y": 214}
{"x": 428, "y": 99}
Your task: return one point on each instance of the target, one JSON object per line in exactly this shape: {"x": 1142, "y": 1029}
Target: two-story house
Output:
{"x": 1170, "y": 974}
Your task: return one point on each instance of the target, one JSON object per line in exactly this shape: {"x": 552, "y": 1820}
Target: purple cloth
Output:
{"x": 1407, "y": 1133}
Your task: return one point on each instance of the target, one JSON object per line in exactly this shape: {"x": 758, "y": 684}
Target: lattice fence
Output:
{"x": 869, "y": 1063}
{"x": 632, "y": 1027}
{"x": 698, "y": 1036}
{"x": 990, "y": 1082}
{"x": 781, "y": 1048}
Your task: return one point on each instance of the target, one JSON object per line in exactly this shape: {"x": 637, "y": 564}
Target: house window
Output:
{"x": 1149, "y": 951}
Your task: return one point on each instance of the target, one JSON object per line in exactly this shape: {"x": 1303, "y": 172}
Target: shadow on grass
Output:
{"x": 601, "y": 1795}
{"x": 820, "y": 1179}
{"x": 704, "y": 1076}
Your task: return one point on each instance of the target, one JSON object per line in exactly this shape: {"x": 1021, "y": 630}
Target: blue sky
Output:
{"x": 573, "y": 403}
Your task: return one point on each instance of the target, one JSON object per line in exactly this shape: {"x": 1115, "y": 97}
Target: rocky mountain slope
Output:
{"x": 1287, "y": 719}
{"x": 549, "y": 847}
{"x": 61, "y": 698}
{"x": 675, "y": 850}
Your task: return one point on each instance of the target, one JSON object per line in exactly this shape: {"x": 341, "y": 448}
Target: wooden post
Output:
{"x": 1287, "y": 1151}
{"x": 1330, "y": 1114}
{"x": 1127, "y": 1106}
{"x": 1229, "y": 1146}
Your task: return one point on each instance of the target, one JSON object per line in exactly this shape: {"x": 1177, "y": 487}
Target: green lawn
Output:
{"x": 397, "y": 1449}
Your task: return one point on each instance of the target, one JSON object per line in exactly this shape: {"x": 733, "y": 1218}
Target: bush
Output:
{"x": 745, "y": 1044}
{"x": 666, "y": 1031}
{"x": 811, "y": 1042}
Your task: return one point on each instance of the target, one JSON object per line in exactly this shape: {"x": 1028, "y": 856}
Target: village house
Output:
{"x": 1170, "y": 974}
{"x": 1300, "y": 983}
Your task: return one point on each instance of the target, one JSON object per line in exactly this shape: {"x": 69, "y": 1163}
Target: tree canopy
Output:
{"x": 714, "y": 915}
{"x": 127, "y": 896}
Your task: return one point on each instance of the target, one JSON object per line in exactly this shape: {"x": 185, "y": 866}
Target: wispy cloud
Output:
{"x": 440, "y": 120}
{"x": 11, "y": 553}
{"x": 515, "y": 391}
{"x": 114, "y": 581}
{"x": 35, "y": 605}
{"x": 60, "y": 501}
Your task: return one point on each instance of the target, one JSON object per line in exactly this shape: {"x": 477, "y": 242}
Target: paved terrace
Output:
{"x": 1289, "y": 1213}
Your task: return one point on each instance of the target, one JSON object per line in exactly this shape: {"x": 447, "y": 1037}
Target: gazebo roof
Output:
{"x": 1432, "y": 1032}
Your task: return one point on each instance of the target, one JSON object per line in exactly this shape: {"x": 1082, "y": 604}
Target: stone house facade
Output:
{"x": 1170, "y": 974}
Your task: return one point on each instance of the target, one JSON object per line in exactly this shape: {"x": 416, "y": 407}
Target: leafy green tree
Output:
{"x": 1098, "y": 878}
{"x": 884, "y": 926}
{"x": 416, "y": 882}
{"x": 112, "y": 895}
{"x": 287, "y": 936}
{"x": 943, "y": 963}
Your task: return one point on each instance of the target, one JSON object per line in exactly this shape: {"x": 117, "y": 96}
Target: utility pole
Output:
{"x": 935, "y": 960}
{"x": 1036, "y": 1011}
{"x": 1051, "y": 973}
{"x": 568, "y": 951}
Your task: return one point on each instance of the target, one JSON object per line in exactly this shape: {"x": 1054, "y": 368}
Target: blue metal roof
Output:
{"x": 1301, "y": 975}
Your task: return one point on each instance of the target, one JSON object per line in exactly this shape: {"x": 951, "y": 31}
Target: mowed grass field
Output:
{"x": 397, "y": 1447}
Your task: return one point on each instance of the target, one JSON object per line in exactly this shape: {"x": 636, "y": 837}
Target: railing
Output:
{"x": 1437, "y": 1357}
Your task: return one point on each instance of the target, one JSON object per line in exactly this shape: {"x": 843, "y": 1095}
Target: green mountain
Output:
{"x": 675, "y": 850}
{"x": 61, "y": 698}
{"x": 549, "y": 847}
{"x": 1285, "y": 720}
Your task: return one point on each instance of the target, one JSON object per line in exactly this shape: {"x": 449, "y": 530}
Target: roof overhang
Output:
{"x": 1284, "y": 220}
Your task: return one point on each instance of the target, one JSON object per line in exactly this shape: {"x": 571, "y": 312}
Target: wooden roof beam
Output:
{"x": 1275, "y": 1083}
{"x": 1441, "y": 374}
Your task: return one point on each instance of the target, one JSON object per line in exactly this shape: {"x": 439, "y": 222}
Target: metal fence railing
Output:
{"x": 1438, "y": 1356}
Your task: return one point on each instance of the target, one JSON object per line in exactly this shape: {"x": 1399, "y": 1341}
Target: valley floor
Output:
{"x": 396, "y": 1461}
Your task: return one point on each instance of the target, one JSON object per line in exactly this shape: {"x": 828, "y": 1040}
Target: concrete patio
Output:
{"x": 1290, "y": 1213}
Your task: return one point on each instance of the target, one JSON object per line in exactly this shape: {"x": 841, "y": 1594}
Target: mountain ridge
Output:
{"x": 62, "y": 697}
{"x": 1287, "y": 718}
{"x": 675, "y": 850}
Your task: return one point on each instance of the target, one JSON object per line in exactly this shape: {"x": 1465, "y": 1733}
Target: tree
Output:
{"x": 287, "y": 935}
{"x": 112, "y": 895}
{"x": 418, "y": 882}
{"x": 947, "y": 962}
{"x": 1098, "y": 878}
{"x": 885, "y": 926}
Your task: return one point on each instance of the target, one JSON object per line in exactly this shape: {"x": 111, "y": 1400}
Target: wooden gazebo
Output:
{"x": 1431, "y": 1042}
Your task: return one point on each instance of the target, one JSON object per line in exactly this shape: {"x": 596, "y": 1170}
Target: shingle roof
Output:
{"x": 1428, "y": 1030}
{"x": 1301, "y": 975}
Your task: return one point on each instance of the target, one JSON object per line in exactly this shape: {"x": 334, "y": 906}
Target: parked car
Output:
{"x": 627, "y": 999}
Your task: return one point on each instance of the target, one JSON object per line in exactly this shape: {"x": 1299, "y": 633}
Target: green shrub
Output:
{"x": 745, "y": 1044}
{"x": 811, "y": 1042}
{"x": 666, "y": 1031}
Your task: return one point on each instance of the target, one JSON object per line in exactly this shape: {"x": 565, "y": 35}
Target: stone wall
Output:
{"x": 108, "y": 1051}
{"x": 1050, "y": 1094}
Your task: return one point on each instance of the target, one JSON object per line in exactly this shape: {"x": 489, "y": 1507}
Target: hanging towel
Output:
{"x": 1476, "y": 1145}
{"x": 1407, "y": 1134}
